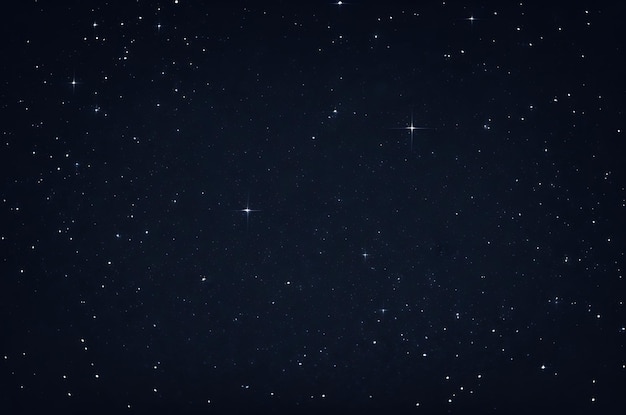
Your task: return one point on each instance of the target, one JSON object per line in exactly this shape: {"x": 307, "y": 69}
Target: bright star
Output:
{"x": 74, "y": 82}
{"x": 471, "y": 19}
{"x": 411, "y": 128}
{"x": 247, "y": 211}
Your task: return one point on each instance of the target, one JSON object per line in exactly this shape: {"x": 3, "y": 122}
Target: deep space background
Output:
{"x": 222, "y": 207}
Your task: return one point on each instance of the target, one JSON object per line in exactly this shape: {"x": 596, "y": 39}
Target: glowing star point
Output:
{"x": 411, "y": 128}
{"x": 248, "y": 211}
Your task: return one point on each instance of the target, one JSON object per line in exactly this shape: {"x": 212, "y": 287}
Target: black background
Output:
{"x": 476, "y": 265}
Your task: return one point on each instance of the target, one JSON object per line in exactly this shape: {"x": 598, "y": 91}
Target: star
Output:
{"x": 471, "y": 19}
{"x": 74, "y": 82}
{"x": 247, "y": 211}
{"x": 411, "y": 128}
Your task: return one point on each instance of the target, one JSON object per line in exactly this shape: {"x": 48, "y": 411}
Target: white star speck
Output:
{"x": 247, "y": 211}
{"x": 411, "y": 128}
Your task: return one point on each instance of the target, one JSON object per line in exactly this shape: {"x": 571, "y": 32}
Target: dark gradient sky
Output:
{"x": 212, "y": 207}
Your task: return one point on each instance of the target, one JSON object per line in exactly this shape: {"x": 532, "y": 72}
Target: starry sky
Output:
{"x": 219, "y": 207}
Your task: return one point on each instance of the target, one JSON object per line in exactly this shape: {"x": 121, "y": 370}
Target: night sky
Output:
{"x": 309, "y": 207}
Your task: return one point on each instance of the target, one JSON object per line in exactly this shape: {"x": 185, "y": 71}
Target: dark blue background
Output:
{"x": 494, "y": 241}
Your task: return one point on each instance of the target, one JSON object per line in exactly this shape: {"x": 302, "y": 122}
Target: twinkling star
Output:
{"x": 471, "y": 19}
{"x": 247, "y": 211}
{"x": 74, "y": 82}
{"x": 411, "y": 128}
